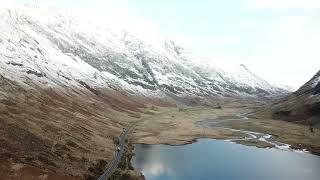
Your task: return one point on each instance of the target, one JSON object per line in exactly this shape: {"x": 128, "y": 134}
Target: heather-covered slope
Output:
{"x": 302, "y": 106}
{"x": 63, "y": 132}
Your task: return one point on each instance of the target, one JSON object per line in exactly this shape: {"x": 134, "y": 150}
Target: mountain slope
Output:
{"x": 302, "y": 106}
{"x": 58, "y": 51}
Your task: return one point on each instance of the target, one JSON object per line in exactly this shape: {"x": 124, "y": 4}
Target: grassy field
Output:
{"x": 177, "y": 126}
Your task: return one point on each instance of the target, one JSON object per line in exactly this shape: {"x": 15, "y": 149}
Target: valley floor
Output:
{"x": 177, "y": 126}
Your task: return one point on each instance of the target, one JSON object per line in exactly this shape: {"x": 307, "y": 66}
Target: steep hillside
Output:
{"x": 57, "y": 51}
{"x": 302, "y": 106}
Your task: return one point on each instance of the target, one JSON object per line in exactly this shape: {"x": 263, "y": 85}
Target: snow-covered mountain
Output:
{"x": 57, "y": 51}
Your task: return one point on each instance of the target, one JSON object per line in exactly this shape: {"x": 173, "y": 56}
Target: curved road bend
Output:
{"x": 118, "y": 154}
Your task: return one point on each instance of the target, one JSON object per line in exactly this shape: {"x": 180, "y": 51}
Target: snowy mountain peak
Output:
{"x": 55, "y": 50}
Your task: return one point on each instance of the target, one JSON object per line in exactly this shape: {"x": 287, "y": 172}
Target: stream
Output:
{"x": 208, "y": 159}
{"x": 249, "y": 135}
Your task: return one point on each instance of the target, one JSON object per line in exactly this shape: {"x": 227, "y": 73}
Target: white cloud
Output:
{"x": 282, "y": 51}
{"x": 7, "y": 3}
{"x": 288, "y": 51}
{"x": 118, "y": 15}
{"x": 284, "y": 4}
{"x": 114, "y": 14}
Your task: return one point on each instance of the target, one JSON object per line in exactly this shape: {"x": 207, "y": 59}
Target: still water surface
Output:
{"x": 209, "y": 159}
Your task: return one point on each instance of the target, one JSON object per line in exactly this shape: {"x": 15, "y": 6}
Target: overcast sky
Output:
{"x": 279, "y": 40}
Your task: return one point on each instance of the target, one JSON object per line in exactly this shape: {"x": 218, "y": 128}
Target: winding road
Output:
{"x": 118, "y": 154}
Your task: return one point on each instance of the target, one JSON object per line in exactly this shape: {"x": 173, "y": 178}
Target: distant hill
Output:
{"x": 302, "y": 106}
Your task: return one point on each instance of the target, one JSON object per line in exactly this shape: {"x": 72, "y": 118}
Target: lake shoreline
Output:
{"x": 201, "y": 148}
{"x": 172, "y": 126}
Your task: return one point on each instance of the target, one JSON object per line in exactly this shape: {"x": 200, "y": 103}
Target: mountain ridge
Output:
{"x": 73, "y": 54}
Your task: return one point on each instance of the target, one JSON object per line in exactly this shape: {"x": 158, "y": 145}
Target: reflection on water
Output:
{"x": 214, "y": 159}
